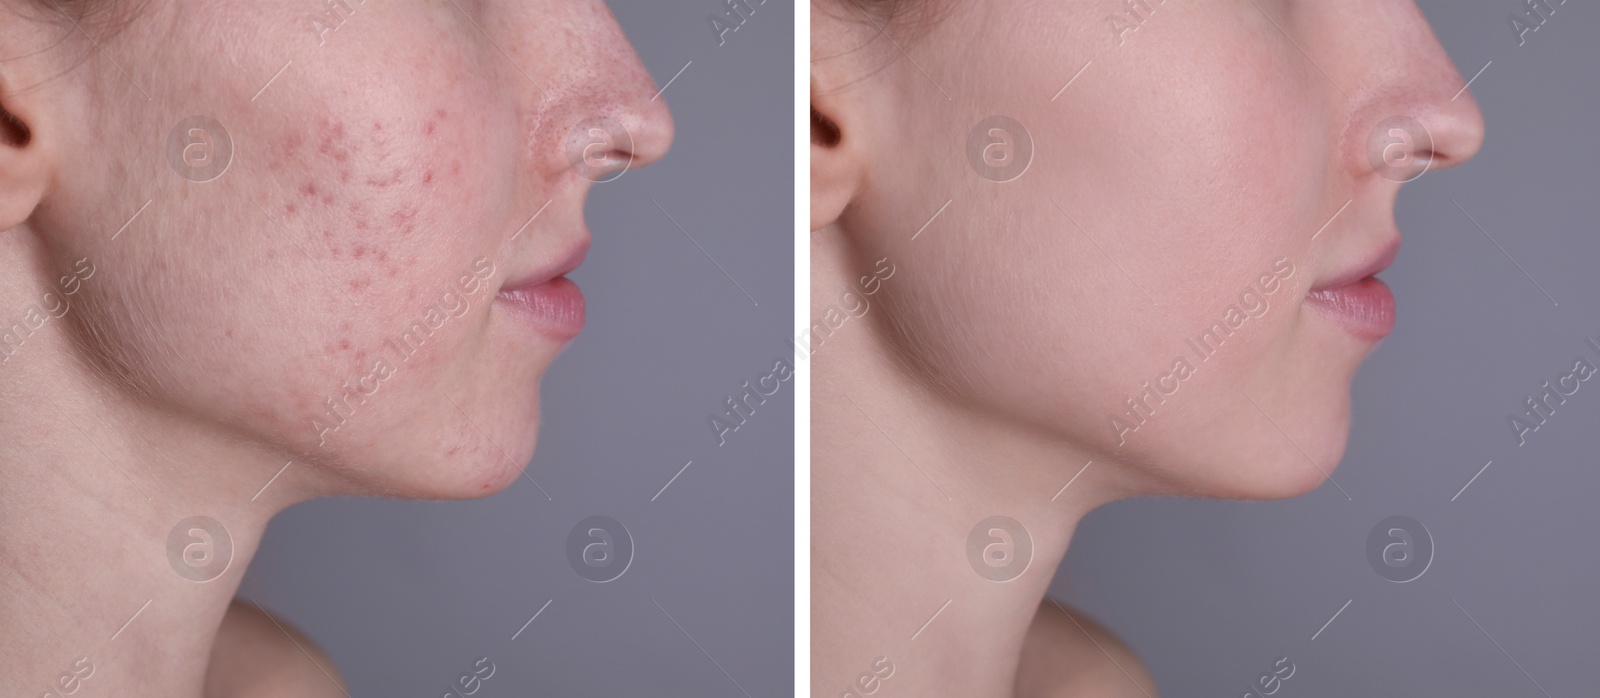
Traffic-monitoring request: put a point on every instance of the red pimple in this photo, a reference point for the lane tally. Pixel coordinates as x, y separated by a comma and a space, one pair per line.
427, 177
309, 190
332, 144
344, 344
428, 128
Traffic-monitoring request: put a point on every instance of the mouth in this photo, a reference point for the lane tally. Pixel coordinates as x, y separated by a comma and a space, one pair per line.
546, 299
1357, 299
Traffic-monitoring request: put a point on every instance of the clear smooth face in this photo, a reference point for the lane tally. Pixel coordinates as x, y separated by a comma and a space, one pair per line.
359, 286
1140, 283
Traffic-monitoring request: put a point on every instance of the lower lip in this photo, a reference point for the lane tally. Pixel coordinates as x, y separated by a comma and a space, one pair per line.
554, 307
1365, 308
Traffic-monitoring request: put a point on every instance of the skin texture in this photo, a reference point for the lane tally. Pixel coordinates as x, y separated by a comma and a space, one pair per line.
382, 183
1199, 148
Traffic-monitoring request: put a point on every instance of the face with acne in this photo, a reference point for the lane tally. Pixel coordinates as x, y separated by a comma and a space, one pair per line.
315, 260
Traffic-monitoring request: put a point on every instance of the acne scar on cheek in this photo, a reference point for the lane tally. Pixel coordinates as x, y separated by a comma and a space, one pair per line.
333, 143
439, 117
406, 219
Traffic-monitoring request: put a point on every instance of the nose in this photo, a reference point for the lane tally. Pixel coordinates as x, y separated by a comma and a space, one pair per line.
594, 109
1414, 103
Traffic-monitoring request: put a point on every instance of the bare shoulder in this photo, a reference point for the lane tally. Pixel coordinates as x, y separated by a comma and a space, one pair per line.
258, 655
1071, 656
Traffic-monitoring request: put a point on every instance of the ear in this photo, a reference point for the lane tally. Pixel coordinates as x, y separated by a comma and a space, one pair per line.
837, 155
25, 169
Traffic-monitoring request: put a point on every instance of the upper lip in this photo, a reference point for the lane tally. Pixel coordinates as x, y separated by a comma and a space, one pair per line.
563, 266
1376, 262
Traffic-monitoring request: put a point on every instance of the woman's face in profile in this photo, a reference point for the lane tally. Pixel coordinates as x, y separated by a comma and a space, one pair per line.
345, 260
1129, 252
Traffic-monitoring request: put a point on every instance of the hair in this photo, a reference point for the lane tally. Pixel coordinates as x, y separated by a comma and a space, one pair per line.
100, 19
914, 16
69, 23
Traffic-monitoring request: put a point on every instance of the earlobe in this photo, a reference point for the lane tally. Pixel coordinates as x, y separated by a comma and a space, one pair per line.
24, 168
835, 161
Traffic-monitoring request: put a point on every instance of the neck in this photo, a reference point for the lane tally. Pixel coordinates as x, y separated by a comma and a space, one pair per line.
95, 485
902, 475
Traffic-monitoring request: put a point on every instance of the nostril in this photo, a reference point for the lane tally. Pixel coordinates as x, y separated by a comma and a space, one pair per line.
13, 132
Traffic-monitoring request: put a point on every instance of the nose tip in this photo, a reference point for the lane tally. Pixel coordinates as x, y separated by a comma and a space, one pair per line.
610, 137
1405, 129
1457, 128
650, 124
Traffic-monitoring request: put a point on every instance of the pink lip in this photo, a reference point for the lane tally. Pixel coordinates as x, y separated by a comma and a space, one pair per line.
1365, 307
547, 299
1358, 300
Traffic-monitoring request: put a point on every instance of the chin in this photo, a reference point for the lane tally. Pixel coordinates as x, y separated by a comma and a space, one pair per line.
1236, 454
1286, 473
454, 463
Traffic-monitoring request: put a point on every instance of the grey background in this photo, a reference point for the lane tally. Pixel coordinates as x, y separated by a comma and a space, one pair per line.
405, 596
1210, 593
